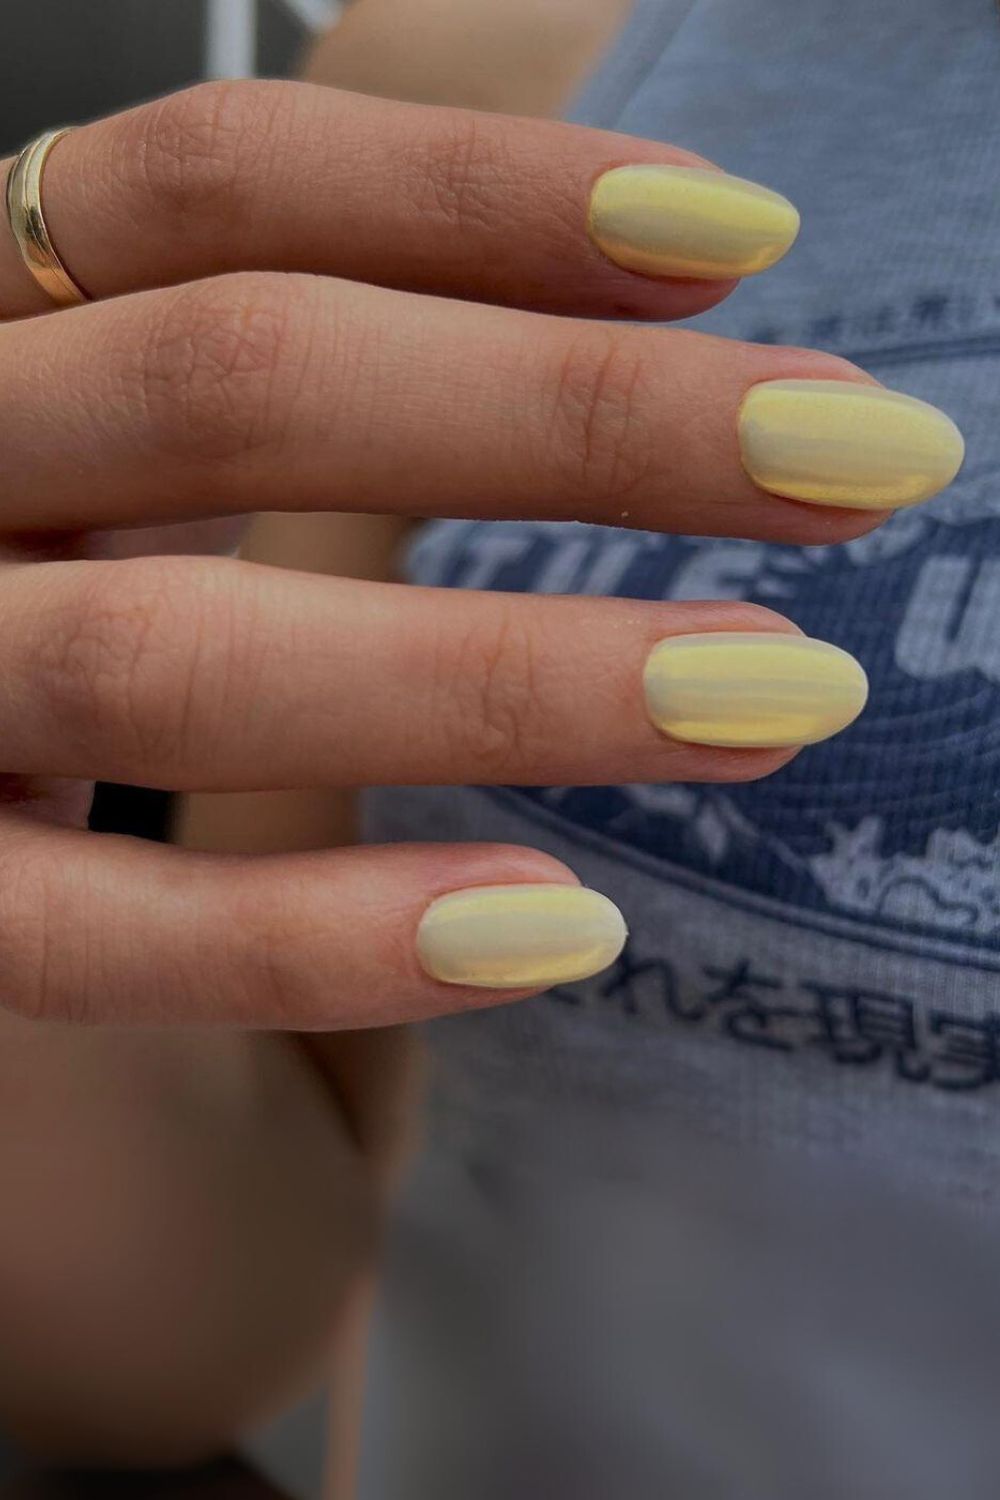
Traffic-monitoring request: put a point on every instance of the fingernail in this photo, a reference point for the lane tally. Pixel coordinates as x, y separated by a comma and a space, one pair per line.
752, 690
688, 221
836, 443
518, 936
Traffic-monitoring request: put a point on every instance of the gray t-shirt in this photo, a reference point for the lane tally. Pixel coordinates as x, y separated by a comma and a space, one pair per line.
718, 1223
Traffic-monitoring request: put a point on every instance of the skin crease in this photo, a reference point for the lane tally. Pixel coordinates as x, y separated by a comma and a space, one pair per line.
380, 1072
373, 396
342, 1103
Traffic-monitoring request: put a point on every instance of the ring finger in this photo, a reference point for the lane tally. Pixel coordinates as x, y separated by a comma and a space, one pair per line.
185, 673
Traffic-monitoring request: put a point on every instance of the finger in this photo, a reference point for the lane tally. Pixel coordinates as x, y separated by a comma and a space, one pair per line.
284, 176
108, 930
257, 392
214, 675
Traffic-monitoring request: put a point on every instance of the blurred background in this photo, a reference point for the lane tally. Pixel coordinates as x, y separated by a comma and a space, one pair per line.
135, 49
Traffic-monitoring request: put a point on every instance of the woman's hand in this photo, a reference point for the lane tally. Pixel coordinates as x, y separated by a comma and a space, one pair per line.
274, 261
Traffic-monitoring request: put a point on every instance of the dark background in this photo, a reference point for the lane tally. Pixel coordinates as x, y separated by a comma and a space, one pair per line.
64, 61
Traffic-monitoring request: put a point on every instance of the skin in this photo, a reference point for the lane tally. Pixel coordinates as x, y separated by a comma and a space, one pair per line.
224, 378
253, 390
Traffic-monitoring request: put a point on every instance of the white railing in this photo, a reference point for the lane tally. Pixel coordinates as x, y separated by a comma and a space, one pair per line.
231, 32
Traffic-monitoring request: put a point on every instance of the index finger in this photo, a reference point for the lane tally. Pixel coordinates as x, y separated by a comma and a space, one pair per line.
293, 177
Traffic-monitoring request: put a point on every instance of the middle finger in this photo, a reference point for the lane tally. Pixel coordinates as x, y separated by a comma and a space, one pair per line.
283, 392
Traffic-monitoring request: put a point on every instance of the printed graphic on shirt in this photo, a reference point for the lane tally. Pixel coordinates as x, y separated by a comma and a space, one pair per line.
894, 826
852, 1025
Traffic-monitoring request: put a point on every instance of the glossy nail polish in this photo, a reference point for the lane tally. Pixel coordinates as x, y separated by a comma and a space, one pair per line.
519, 936
689, 222
757, 689
835, 442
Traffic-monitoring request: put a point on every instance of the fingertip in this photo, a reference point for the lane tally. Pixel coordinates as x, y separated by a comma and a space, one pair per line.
846, 445
665, 219
516, 936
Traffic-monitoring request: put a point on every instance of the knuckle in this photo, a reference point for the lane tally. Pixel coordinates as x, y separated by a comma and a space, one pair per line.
599, 430
197, 148
491, 679
118, 663
217, 364
455, 173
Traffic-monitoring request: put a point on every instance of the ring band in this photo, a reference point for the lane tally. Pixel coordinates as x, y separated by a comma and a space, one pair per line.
27, 220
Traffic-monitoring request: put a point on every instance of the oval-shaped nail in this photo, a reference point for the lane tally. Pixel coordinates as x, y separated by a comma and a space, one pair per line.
690, 222
519, 936
755, 689
832, 442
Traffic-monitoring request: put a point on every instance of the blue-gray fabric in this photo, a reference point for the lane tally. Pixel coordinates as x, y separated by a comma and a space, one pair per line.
719, 1223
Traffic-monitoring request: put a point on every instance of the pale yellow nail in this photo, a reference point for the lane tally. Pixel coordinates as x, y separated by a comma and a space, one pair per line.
689, 221
755, 689
833, 442
511, 937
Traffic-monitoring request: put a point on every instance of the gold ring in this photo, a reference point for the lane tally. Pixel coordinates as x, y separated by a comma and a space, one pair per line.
27, 220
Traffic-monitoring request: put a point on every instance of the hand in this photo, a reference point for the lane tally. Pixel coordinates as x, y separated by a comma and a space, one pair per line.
221, 375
